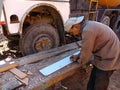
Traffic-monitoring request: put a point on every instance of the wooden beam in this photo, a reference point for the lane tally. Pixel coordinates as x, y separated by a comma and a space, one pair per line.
39, 81
54, 78
47, 54
39, 56
44, 82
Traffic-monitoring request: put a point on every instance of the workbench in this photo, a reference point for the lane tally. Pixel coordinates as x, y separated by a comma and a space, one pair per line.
38, 81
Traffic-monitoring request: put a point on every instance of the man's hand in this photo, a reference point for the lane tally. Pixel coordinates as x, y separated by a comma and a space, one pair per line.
75, 57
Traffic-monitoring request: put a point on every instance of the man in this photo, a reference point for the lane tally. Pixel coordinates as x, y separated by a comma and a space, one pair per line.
97, 39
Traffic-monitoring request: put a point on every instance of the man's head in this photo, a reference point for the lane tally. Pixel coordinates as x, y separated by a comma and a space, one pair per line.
73, 25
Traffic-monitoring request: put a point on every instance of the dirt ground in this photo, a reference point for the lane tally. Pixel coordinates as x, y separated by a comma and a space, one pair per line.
78, 81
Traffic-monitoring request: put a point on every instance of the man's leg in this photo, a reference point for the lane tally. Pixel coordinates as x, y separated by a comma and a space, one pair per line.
102, 79
91, 82
99, 79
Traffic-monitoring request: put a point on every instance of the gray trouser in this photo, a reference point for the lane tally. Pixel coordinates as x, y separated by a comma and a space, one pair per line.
99, 79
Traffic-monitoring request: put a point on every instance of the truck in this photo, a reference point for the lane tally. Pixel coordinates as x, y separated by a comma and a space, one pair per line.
38, 25
105, 11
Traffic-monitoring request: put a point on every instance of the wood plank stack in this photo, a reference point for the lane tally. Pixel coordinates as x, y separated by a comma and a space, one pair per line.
35, 62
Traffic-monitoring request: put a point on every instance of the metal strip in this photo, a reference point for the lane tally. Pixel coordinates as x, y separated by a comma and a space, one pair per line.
56, 66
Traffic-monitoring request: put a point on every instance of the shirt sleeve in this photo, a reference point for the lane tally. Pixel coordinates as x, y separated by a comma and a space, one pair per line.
88, 39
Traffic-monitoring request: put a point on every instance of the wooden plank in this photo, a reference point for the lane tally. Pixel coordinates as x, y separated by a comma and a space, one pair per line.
12, 85
40, 56
37, 80
7, 65
57, 76
47, 54
44, 82
18, 73
54, 78
24, 81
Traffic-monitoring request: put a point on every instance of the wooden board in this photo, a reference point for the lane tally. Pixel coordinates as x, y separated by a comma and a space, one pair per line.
39, 81
7, 65
18, 73
11, 85
24, 81
47, 54
39, 56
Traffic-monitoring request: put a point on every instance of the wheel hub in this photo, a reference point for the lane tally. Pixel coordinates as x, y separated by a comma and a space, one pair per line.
39, 37
43, 43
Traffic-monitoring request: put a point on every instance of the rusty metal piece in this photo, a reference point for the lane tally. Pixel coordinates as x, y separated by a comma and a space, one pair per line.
43, 42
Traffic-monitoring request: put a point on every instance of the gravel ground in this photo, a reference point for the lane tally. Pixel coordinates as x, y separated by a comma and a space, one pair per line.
79, 80
115, 81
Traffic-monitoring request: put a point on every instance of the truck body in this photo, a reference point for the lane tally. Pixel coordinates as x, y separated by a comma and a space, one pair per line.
39, 24
23, 16
105, 11
22, 8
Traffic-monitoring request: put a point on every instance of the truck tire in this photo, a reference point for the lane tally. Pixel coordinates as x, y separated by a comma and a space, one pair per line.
106, 20
39, 37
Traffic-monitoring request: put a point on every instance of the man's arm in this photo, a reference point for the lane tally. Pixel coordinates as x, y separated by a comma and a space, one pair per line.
88, 41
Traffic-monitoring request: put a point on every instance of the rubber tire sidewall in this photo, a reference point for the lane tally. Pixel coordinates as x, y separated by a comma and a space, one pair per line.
34, 30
